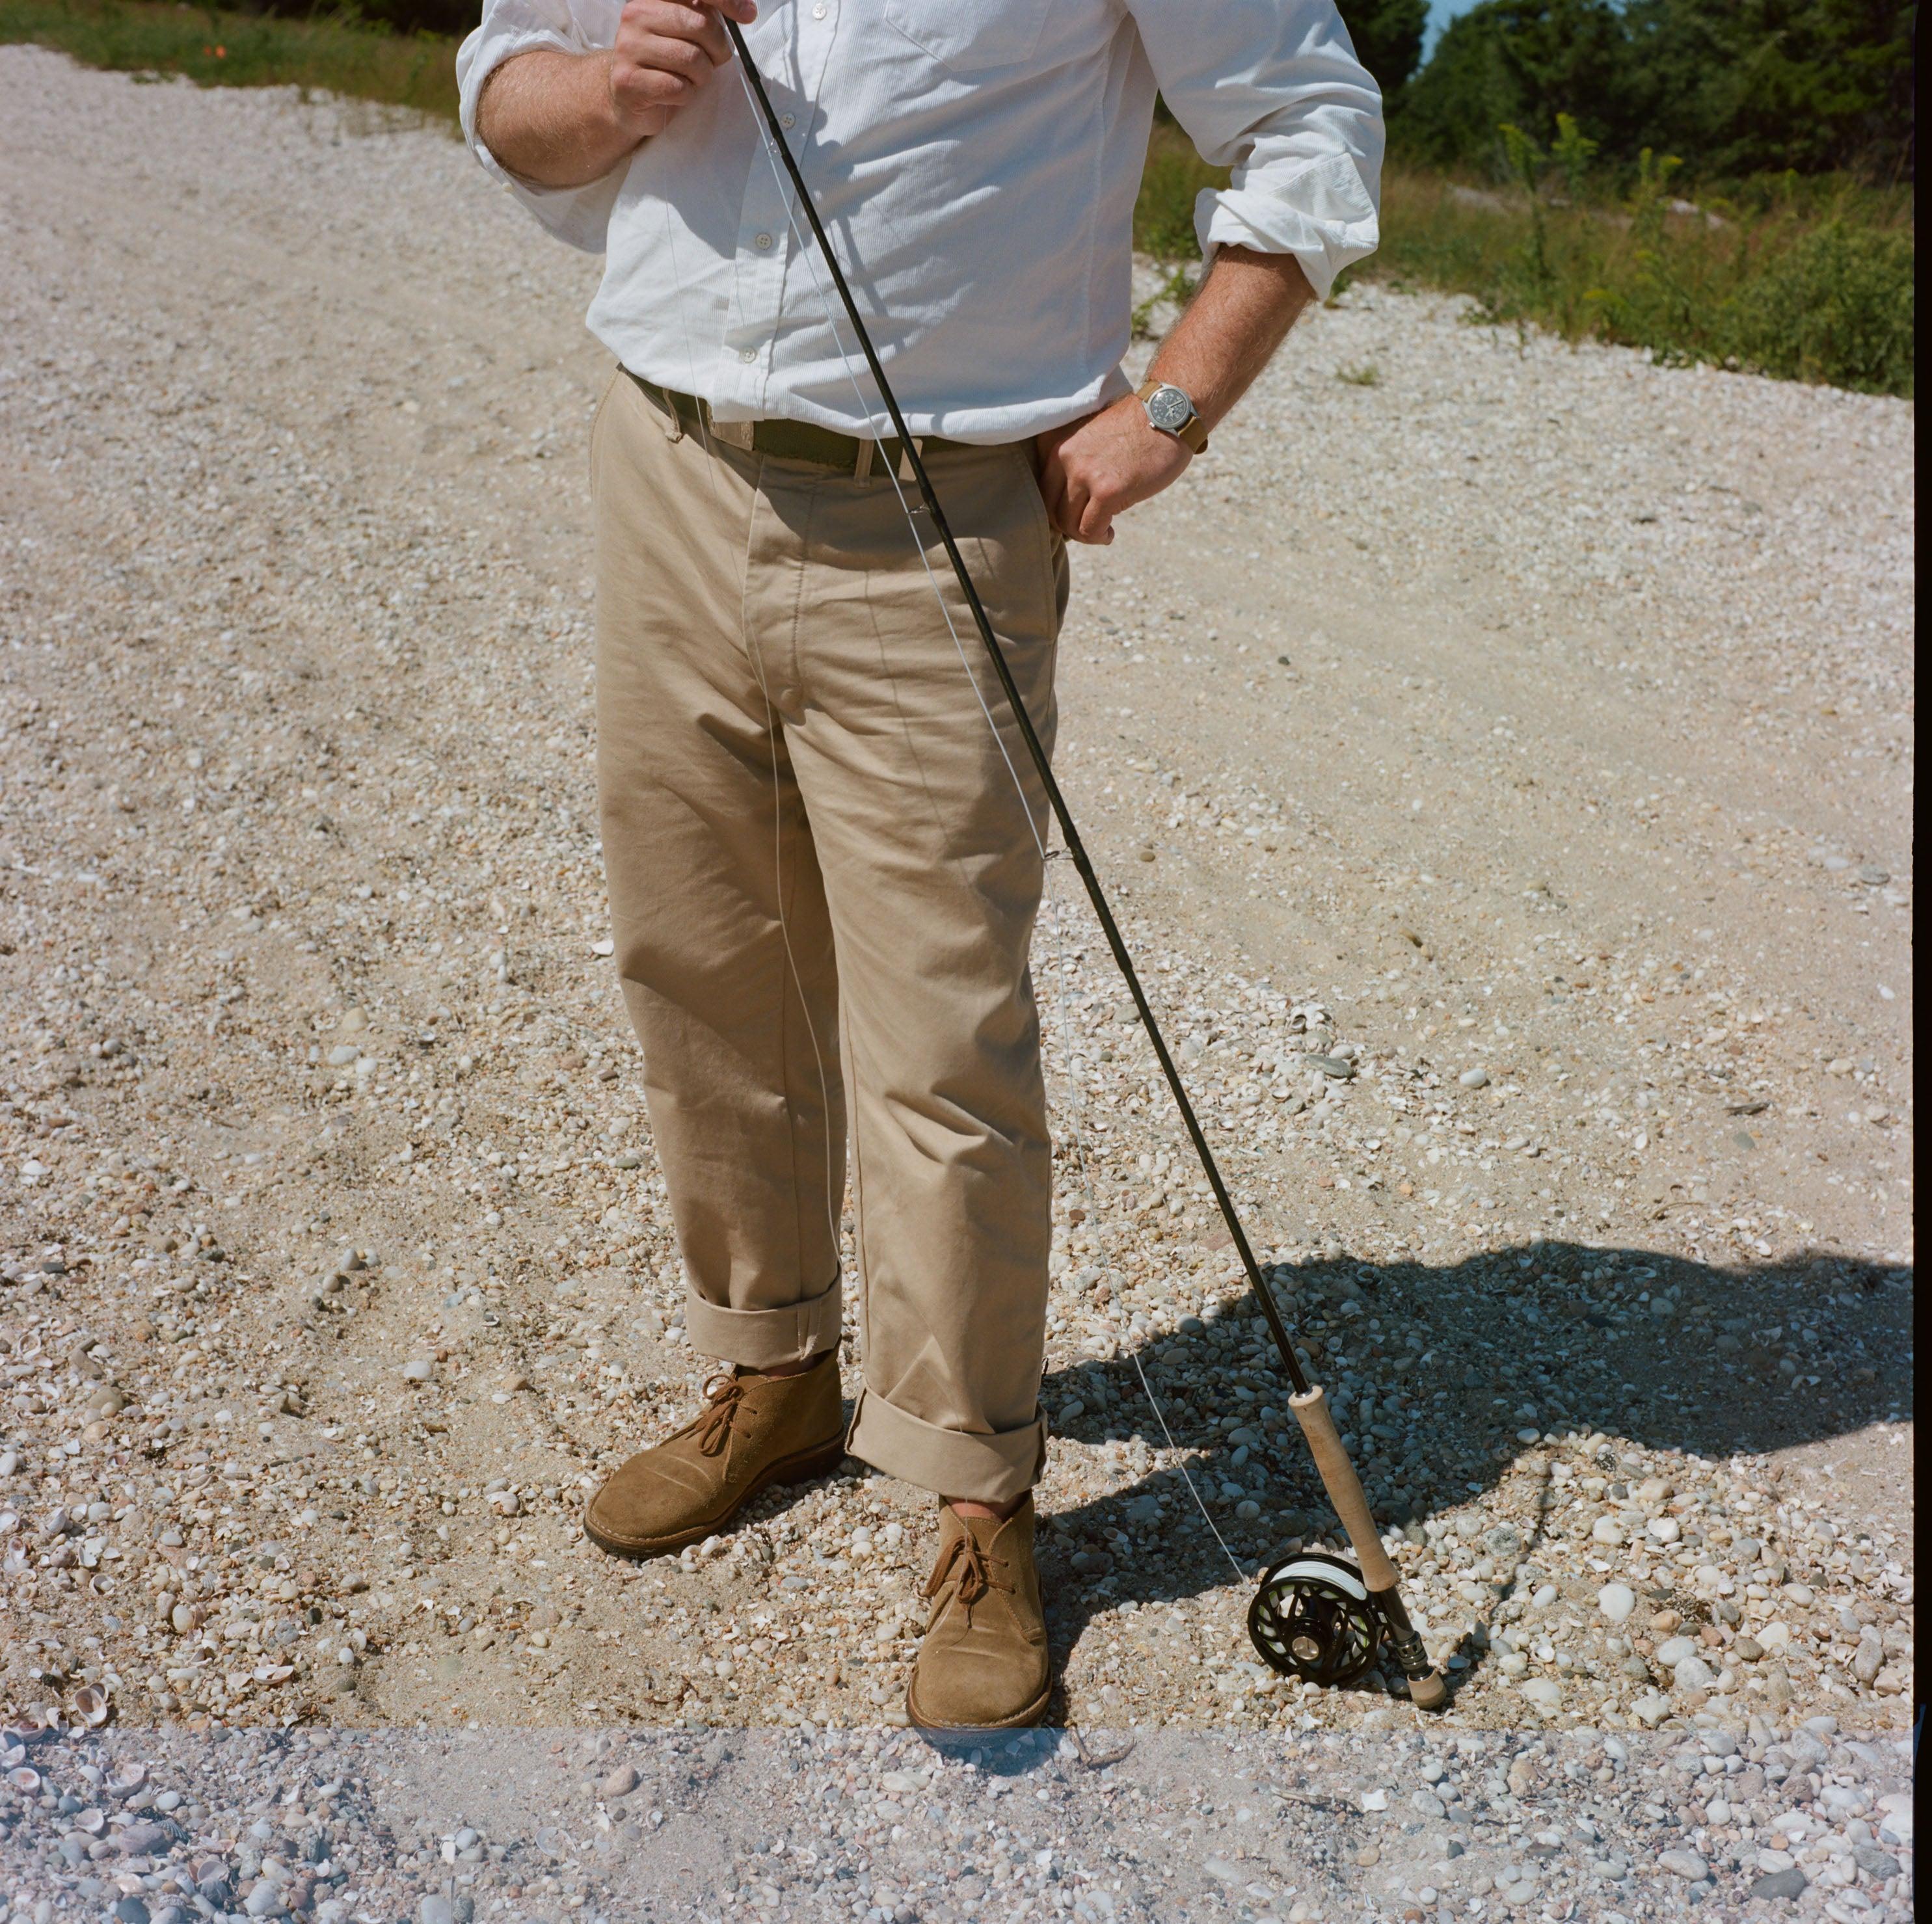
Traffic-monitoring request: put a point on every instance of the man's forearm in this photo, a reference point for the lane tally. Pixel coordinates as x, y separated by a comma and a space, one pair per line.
1231, 328
550, 118
1096, 468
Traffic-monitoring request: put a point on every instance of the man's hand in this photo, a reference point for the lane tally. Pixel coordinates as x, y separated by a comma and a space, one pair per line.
1100, 466
665, 51
1093, 469
566, 119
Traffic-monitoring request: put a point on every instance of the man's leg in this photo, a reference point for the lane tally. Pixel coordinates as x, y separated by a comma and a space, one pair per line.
920, 809
724, 950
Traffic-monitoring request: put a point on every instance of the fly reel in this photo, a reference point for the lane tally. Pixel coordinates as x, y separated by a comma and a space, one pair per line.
1312, 1618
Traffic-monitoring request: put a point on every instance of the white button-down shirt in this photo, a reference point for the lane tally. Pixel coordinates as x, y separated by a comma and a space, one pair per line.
976, 163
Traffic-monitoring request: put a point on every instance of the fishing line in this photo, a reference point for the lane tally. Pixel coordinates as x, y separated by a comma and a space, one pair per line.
1124, 1333
778, 896
1061, 971
756, 659
1315, 1617
1075, 849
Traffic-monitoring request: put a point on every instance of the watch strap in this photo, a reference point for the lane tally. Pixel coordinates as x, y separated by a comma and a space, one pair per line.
1193, 433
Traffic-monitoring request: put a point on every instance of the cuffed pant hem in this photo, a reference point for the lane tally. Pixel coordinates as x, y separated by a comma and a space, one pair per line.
763, 1338
950, 1463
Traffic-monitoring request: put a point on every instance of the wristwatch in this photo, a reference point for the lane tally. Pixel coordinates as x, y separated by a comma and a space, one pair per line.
1169, 409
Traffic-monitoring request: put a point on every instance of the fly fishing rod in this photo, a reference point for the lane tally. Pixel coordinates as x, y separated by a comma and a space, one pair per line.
1314, 1616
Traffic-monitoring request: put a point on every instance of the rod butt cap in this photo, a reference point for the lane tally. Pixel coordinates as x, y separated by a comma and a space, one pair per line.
1428, 1692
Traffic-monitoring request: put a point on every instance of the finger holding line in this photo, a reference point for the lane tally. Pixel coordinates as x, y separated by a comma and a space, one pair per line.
665, 51
666, 28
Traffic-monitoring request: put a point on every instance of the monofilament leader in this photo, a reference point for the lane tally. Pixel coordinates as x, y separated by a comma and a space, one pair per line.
822, 834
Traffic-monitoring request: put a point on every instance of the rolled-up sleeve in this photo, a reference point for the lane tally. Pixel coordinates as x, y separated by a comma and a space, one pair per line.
580, 215
1272, 89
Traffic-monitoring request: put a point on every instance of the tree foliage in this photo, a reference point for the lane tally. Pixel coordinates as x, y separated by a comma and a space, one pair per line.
1734, 86
1388, 36
453, 17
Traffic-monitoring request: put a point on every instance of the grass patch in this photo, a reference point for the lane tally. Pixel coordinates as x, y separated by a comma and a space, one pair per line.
1173, 176
214, 48
1814, 284
1808, 279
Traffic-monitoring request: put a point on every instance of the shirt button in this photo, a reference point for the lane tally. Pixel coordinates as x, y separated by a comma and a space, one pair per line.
749, 354
764, 240
784, 120
819, 12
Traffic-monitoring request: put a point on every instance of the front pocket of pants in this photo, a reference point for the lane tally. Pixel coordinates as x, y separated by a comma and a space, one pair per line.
1052, 545
597, 419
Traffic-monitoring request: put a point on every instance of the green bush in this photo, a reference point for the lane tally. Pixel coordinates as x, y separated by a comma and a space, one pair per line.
1837, 306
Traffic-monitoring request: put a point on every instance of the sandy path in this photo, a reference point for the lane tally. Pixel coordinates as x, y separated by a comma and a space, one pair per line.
1579, 821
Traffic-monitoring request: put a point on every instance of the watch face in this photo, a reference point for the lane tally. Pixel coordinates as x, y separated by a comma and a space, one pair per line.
1169, 409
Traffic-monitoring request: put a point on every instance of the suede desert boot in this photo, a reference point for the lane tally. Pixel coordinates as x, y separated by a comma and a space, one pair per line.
754, 1430
983, 1665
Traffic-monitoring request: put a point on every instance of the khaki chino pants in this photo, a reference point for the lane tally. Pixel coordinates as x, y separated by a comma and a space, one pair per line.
823, 881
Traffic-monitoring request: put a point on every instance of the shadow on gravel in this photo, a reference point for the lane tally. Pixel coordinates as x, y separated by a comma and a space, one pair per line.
1000, 1753
1450, 1365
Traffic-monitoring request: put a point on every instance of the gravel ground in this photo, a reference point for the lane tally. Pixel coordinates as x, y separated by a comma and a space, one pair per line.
1513, 816
878, 1825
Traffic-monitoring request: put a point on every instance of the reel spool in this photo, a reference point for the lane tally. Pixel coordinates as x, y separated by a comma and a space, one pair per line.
1311, 1618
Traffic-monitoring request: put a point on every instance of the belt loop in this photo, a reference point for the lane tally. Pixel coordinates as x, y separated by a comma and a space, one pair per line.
674, 420
861, 467
916, 447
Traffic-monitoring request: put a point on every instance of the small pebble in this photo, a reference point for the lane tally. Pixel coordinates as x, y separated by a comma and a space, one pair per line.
1692, 1673
1616, 1601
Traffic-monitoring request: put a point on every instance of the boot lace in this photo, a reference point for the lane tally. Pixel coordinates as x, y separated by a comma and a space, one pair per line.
724, 1394
974, 1568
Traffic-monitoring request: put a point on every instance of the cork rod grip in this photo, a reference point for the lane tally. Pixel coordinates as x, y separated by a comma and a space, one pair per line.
1344, 1487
